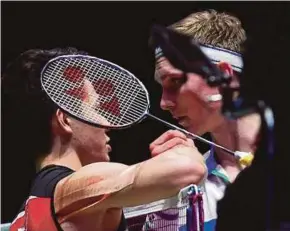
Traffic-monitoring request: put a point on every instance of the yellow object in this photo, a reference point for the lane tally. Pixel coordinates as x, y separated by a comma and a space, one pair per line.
245, 158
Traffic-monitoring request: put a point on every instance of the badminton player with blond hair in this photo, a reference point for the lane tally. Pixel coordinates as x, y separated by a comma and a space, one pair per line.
197, 106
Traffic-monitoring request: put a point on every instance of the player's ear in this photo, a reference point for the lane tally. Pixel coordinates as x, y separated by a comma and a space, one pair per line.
227, 68
61, 123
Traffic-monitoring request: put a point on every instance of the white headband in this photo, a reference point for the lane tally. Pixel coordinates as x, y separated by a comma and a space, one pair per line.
216, 55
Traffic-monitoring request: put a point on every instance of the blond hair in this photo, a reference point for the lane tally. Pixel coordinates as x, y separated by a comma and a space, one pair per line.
213, 28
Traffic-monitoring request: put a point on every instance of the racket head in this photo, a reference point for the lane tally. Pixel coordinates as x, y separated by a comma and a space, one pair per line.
95, 91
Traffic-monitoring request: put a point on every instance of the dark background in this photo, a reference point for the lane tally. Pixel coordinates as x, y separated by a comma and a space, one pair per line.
116, 31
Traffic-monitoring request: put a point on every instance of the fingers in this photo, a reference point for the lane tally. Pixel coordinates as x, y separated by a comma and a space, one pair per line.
169, 145
169, 140
167, 136
190, 142
191, 151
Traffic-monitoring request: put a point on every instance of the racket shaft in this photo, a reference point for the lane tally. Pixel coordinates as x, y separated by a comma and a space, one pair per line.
191, 135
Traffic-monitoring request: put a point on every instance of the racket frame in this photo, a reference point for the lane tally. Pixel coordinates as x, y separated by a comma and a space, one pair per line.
63, 108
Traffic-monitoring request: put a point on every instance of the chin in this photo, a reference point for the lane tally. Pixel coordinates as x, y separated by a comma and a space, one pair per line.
101, 157
195, 130
107, 158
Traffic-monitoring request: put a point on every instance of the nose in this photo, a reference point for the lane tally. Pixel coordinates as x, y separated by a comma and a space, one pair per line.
167, 101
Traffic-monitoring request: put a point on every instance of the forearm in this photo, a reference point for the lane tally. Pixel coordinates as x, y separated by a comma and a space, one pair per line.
111, 185
160, 177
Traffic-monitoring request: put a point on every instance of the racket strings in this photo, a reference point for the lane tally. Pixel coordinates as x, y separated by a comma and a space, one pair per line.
57, 87
122, 97
127, 93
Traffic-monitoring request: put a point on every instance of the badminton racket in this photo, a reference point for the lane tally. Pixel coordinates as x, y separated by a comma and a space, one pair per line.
101, 93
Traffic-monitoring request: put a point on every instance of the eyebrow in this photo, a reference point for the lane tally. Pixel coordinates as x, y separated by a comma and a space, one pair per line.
159, 78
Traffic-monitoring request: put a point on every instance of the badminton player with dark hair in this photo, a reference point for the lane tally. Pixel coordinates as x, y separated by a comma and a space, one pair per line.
76, 187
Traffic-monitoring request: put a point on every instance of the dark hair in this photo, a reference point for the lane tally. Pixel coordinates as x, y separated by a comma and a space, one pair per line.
28, 106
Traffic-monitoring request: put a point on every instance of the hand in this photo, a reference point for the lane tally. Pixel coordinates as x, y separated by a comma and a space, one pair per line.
169, 140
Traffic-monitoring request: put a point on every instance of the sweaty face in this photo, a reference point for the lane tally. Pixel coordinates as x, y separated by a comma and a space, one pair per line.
91, 142
185, 96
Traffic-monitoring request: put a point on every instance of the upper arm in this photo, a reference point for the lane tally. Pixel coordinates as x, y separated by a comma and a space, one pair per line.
90, 185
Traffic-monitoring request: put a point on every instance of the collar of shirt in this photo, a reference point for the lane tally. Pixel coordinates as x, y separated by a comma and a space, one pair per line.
214, 168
